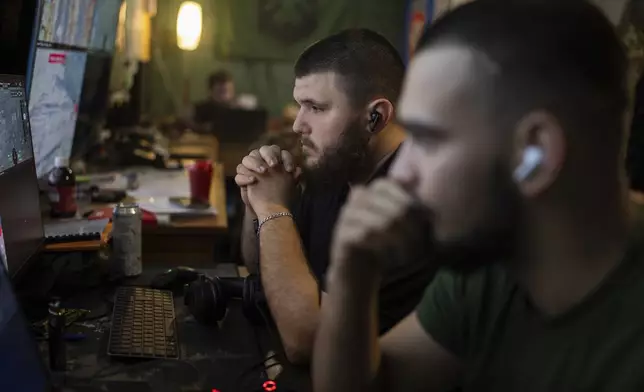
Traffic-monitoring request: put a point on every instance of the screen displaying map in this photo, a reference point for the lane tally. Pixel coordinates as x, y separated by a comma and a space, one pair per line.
14, 126
53, 104
67, 22
106, 17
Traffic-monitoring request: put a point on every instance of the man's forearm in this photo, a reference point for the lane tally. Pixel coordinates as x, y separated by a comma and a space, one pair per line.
347, 355
291, 290
249, 242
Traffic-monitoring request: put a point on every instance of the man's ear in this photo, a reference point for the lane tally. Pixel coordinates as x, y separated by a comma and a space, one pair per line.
538, 133
379, 113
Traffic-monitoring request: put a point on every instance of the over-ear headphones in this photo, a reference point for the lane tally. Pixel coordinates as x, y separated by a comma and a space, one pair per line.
207, 298
532, 158
374, 118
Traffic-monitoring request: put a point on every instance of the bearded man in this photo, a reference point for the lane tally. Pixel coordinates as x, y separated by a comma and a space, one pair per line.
346, 86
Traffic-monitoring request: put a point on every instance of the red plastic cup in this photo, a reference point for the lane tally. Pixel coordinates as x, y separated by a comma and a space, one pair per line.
200, 174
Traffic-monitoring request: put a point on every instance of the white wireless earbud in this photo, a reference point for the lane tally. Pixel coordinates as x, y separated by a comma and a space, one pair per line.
532, 158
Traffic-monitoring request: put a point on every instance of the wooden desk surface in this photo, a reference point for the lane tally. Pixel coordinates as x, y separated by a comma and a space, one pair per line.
205, 224
193, 241
193, 144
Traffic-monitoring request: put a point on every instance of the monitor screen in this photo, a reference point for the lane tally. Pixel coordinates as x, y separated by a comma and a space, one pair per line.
93, 106
21, 366
106, 18
56, 84
22, 228
17, 31
67, 22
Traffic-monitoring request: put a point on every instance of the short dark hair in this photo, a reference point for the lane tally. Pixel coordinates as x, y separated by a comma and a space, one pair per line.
219, 77
563, 56
368, 64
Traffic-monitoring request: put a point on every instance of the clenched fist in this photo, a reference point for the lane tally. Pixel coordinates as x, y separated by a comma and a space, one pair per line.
380, 224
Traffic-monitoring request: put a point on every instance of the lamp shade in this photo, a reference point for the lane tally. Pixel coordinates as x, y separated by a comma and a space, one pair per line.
189, 22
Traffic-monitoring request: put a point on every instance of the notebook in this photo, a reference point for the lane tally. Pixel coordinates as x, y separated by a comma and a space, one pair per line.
75, 230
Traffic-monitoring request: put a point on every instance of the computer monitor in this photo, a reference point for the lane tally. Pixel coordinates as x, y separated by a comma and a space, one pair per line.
67, 22
22, 227
18, 27
21, 366
94, 101
56, 84
106, 18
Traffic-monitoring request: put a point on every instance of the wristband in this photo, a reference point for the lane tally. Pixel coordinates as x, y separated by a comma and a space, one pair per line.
271, 217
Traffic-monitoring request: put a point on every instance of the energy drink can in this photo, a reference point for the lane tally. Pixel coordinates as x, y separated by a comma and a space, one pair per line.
126, 236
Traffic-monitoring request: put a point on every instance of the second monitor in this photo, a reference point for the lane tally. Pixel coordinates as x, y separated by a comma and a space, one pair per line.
69, 35
56, 86
20, 216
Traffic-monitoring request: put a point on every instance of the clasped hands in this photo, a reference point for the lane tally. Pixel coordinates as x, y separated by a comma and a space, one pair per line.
381, 223
267, 177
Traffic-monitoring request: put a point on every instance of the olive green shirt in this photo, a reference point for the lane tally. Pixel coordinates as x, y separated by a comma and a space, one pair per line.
506, 344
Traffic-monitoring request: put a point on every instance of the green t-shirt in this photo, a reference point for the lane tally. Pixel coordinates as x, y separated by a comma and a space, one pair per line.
487, 321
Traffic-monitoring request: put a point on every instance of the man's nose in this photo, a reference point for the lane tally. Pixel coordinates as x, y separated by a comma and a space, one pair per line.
403, 170
299, 125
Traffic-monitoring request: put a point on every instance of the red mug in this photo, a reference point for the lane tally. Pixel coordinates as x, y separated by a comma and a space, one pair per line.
200, 174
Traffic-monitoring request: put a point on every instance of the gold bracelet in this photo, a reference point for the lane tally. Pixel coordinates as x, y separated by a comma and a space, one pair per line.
271, 217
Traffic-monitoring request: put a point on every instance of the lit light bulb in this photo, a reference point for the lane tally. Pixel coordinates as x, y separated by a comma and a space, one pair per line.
189, 21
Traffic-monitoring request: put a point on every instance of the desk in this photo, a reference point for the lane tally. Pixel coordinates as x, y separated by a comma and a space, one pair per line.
192, 241
196, 144
210, 357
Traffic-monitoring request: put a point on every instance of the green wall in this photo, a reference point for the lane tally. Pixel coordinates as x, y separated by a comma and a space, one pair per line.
270, 80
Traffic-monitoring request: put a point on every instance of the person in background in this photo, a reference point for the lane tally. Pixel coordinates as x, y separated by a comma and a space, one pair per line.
516, 125
221, 95
346, 86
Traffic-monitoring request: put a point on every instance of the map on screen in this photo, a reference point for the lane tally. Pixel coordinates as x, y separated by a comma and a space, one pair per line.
67, 22
106, 17
53, 104
14, 127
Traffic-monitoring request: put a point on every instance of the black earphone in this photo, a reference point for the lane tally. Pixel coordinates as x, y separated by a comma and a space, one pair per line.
207, 298
374, 118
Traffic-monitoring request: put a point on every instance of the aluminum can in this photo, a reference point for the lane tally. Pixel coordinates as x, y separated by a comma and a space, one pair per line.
126, 240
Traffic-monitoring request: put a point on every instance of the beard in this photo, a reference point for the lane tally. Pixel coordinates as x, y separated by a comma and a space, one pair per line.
493, 241
343, 162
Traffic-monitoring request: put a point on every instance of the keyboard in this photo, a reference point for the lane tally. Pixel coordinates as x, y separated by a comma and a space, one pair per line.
143, 324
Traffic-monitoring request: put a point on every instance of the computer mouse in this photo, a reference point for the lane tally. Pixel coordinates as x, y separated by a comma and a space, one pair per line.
175, 279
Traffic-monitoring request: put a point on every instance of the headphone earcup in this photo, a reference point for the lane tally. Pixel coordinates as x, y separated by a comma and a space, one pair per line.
205, 301
250, 300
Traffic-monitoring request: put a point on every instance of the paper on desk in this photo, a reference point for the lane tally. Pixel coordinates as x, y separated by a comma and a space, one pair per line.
161, 183
163, 206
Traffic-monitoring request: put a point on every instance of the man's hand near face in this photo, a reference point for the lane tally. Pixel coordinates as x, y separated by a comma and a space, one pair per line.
379, 223
267, 178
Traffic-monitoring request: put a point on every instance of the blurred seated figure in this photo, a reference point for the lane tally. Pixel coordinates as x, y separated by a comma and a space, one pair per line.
221, 95
230, 117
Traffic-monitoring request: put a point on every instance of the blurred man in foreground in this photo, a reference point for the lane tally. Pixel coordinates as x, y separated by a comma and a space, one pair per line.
515, 112
345, 85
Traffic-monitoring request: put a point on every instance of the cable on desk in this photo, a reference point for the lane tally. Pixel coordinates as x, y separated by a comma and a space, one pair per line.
262, 363
239, 385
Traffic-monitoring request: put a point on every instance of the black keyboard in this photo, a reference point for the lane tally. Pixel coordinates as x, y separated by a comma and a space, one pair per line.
143, 324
